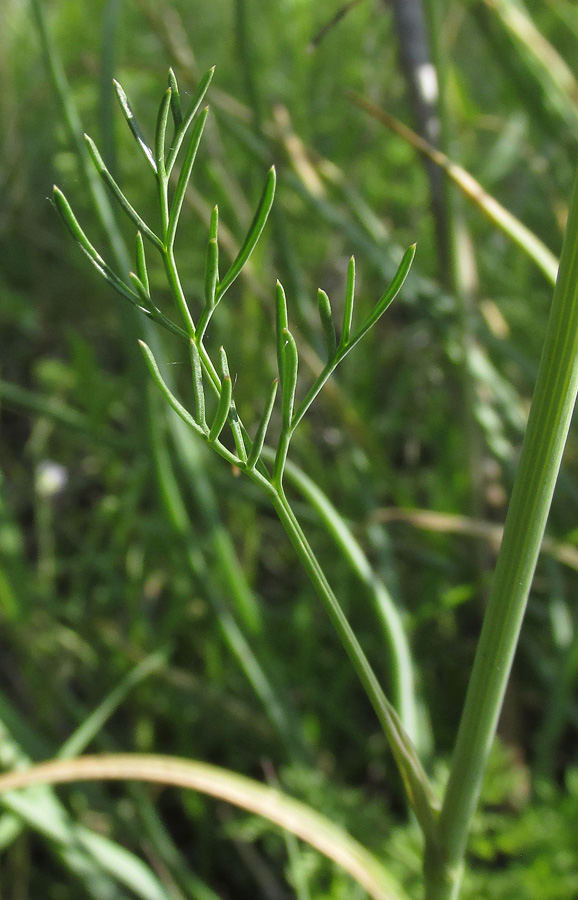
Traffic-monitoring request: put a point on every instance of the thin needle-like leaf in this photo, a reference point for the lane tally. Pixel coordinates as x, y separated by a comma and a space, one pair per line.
185, 175
198, 388
141, 262
259, 440
281, 323
170, 397
73, 226
152, 310
188, 118
288, 373
176, 110
384, 302
161, 132
327, 322
288, 376
211, 272
234, 420
223, 408
253, 234
349, 300
118, 194
133, 125
347, 342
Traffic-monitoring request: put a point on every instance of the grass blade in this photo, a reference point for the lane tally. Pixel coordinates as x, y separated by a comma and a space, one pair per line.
292, 815
525, 239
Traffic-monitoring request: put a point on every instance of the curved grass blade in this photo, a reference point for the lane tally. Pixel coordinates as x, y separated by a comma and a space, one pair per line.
324, 306
73, 226
270, 803
501, 217
188, 118
253, 234
259, 440
349, 300
133, 125
118, 195
185, 175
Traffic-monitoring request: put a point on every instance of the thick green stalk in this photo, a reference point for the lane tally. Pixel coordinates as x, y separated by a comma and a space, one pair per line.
548, 424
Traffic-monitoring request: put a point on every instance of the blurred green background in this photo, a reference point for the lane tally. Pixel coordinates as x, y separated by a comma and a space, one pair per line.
136, 569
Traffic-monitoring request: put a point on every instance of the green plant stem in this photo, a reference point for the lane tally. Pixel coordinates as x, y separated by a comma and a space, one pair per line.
400, 661
543, 446
418, 789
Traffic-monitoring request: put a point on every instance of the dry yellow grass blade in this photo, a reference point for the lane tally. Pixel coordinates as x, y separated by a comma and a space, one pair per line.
495, 212
290, 814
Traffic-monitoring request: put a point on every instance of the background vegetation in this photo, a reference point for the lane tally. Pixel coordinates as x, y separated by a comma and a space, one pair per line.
135, 621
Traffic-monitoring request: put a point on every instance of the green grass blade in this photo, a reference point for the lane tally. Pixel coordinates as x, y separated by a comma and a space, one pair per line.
93, 724
548, 424
253, 234
502, 218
